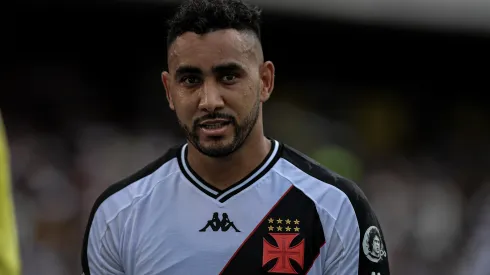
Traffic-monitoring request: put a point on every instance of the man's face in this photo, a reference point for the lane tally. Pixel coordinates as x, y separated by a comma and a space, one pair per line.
376, 245
216, 83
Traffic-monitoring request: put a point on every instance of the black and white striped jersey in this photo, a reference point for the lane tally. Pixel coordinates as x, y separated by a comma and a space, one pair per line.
289, 216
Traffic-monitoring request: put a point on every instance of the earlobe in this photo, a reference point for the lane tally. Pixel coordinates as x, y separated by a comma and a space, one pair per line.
166, 85
268, 78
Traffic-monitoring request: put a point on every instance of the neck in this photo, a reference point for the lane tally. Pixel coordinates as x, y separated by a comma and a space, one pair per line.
223, 172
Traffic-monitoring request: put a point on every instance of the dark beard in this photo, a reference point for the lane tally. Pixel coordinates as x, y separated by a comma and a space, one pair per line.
242, 131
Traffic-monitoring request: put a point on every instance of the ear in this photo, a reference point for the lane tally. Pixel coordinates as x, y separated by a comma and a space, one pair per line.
166, 84
267, 77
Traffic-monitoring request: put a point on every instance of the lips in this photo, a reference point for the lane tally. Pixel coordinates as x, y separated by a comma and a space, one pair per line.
214, 128
214, 123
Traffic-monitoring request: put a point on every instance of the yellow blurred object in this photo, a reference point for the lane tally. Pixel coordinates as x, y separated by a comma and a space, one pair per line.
9, 250
383, 124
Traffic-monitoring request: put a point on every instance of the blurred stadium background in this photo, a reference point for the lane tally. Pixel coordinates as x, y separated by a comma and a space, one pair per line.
388, 93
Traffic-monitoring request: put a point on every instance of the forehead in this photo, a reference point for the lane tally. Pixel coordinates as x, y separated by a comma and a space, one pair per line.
212, 48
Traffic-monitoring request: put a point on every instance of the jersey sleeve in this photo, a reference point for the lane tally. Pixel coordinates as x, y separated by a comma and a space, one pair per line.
361, 248
100, 254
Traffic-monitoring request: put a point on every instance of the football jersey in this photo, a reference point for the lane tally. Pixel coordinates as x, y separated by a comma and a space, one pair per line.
288, 216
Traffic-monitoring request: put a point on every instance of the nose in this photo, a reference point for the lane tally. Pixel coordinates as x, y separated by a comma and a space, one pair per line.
210, 98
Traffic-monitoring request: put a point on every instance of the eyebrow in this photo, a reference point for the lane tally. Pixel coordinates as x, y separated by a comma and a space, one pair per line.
185, 69
218, 69
227, 67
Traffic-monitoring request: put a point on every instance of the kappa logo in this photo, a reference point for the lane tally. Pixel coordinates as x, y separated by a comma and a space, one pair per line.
372, 245
284, 252
216, 224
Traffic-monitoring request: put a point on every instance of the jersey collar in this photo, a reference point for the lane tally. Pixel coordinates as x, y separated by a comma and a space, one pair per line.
223, 195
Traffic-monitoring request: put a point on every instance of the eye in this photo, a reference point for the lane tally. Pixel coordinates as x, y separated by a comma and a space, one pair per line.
190, 80
229, 78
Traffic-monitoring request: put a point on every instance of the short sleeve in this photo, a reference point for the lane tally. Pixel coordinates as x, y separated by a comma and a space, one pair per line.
100, 250
362, 248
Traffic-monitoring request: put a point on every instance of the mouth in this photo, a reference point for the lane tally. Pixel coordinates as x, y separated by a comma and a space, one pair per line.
214, 124
215, 127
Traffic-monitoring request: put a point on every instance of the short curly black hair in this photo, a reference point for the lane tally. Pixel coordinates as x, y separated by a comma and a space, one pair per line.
204, 16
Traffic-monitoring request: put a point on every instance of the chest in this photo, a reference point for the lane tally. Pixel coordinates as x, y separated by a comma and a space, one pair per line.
255, 233
183, 236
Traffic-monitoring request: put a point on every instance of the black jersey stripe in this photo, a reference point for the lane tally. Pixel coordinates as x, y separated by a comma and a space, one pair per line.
253, 231
295, 217
114, 188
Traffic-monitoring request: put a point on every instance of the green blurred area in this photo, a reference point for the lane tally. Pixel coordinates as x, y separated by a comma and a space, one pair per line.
339, 160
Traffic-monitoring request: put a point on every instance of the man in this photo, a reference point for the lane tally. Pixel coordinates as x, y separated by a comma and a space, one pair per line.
372, 246
288, 214
9, 250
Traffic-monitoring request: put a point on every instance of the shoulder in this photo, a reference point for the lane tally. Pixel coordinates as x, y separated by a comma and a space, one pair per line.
337, 196
317, 181
121, 194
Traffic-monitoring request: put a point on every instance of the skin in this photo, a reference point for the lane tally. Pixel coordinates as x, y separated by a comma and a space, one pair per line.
221, 74
376, 245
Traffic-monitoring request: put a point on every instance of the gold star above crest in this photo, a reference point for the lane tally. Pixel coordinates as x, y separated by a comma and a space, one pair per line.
283, 225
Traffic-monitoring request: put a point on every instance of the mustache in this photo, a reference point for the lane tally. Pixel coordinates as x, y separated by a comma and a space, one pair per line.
199, 120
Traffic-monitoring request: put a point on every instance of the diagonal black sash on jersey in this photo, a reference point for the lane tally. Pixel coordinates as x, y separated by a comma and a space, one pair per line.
286, 241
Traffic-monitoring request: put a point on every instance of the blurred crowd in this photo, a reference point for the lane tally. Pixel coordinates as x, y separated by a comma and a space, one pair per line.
435, 218
84, 107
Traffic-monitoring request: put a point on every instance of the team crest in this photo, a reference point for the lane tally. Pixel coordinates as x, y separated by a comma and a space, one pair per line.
372, 245
285, 233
